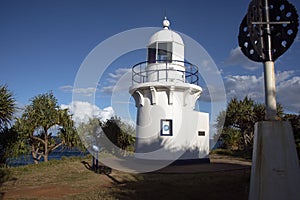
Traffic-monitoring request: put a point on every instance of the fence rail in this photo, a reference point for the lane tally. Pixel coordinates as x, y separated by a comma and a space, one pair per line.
140, 73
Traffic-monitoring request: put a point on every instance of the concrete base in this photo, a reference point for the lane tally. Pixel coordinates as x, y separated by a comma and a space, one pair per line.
275, 170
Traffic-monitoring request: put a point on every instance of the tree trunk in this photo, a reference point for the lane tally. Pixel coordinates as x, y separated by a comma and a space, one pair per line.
46, 157
46, 153
34, 155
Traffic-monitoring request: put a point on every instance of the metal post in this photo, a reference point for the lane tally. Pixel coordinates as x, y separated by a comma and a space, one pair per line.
166, 71
93, 162
97, 164
269, 72
140, 73
268, 31
270, 91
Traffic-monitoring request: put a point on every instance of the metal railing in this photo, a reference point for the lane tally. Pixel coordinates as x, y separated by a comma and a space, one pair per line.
140, 72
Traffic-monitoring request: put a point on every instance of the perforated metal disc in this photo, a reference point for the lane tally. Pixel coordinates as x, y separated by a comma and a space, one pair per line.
245, 42
253, 37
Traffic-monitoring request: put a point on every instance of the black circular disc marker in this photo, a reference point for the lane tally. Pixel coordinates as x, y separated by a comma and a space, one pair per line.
261, 31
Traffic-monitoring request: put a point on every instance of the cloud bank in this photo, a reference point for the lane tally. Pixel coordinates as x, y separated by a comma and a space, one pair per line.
287, 88
89, 91
83, 111
237, 58
119, 80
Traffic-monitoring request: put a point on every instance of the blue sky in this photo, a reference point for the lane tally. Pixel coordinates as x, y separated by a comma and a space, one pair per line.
44, 42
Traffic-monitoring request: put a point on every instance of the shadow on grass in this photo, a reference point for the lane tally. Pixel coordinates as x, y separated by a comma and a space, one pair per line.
237, 154
87, 165
100, 169
225, 184
5, 176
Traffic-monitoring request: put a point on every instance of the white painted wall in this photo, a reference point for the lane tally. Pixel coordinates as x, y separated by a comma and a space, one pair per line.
186, 122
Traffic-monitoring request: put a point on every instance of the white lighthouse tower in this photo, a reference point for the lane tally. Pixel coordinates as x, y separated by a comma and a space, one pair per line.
165, 89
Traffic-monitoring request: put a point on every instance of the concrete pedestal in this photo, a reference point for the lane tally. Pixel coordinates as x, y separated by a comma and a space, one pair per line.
275, 166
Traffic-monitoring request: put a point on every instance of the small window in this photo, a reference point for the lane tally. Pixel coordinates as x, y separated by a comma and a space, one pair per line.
166, 127
201, 133
164, 52
152, 53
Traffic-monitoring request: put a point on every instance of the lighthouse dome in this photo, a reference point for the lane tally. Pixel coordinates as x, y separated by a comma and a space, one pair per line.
166, 35
165, 45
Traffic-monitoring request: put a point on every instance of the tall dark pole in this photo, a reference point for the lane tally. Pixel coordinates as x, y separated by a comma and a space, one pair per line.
268, 31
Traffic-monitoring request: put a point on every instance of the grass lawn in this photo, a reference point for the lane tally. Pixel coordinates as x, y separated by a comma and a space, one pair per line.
70, 179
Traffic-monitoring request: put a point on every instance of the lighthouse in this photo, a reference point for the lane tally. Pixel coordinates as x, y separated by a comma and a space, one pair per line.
165, 89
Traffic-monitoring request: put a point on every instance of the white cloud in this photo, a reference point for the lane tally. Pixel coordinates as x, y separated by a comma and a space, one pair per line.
108, 89
83, 111
288, 93
20, 109
120, 80
288, 88
236, 86
241, 86
212, 91
237, 58
282, 76
88, 91
66, 88
118, 73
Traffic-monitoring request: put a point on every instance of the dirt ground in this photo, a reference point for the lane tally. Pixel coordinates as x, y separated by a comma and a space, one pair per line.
80, 183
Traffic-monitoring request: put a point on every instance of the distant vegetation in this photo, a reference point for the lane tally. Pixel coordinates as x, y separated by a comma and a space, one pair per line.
119, 133
40, 122
239, 118
44, 127
7, 110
